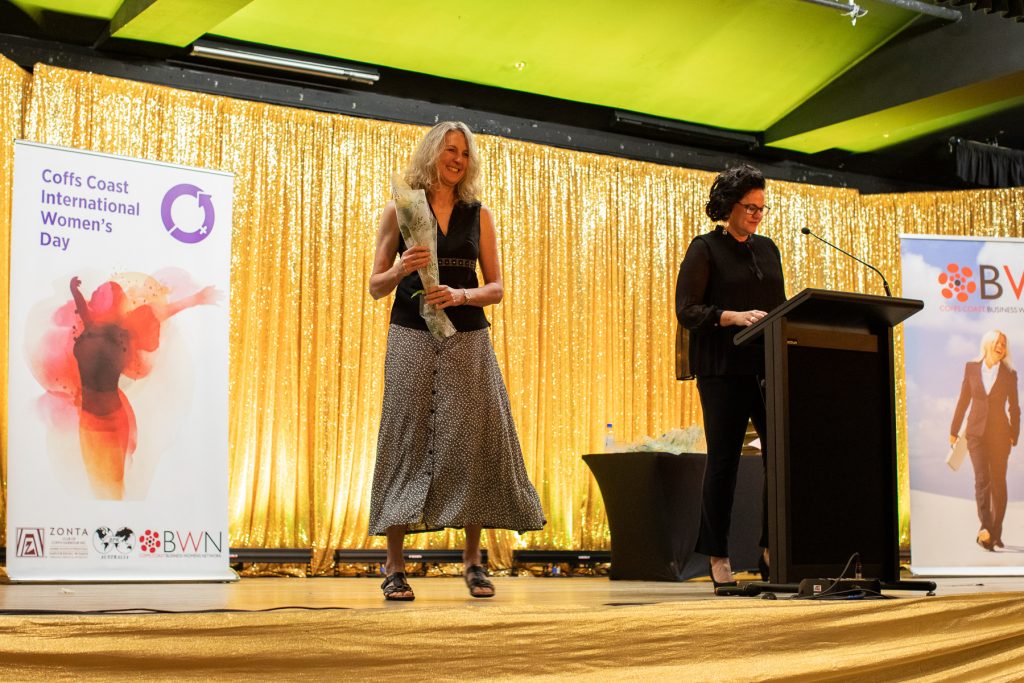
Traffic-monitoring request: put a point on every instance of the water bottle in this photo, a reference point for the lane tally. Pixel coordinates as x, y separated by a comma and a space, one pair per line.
609, 439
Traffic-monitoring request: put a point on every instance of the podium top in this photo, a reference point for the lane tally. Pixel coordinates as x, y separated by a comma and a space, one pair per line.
846, 310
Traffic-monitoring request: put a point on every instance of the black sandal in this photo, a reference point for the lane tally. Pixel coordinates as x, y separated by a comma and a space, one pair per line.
476, 578
396, 583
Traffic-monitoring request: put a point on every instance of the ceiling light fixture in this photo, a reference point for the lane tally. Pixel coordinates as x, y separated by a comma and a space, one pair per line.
683, 132
265, 58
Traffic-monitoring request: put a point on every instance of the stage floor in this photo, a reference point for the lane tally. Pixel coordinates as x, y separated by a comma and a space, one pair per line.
535, 629
254, 594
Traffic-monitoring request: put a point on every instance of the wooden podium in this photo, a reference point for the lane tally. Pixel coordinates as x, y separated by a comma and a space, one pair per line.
831, 408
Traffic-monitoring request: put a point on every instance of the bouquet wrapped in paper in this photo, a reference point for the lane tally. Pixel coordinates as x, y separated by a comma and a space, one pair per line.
419, 229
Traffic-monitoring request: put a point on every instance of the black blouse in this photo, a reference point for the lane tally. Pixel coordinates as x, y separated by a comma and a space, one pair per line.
457, 255
719, 274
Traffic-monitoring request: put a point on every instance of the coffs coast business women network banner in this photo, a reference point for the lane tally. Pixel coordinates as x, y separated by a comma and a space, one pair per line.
962, 350
117, 438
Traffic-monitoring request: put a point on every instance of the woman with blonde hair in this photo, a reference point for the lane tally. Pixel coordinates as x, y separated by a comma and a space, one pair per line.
989, 387
448, 455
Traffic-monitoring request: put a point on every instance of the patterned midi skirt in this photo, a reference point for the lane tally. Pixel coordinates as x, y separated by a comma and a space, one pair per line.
447, 453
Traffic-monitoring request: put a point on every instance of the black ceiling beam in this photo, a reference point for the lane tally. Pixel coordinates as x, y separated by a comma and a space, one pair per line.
928, 58
44, 23
16, 20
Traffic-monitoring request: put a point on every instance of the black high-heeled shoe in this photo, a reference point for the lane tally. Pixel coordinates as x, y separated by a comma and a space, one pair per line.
762, 567
718, 584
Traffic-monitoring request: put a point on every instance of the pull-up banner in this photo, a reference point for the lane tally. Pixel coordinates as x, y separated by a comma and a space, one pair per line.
118, 386
963, 404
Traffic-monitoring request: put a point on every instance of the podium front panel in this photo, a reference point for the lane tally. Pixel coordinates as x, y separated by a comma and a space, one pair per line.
832, 488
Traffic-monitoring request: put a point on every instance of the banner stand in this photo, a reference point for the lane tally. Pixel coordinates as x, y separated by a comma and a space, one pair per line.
118, 369
962, 383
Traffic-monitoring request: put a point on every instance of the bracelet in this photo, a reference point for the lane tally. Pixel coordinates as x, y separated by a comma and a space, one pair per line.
465, 297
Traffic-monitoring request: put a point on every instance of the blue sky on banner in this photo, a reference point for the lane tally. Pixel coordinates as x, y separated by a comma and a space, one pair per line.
988, 276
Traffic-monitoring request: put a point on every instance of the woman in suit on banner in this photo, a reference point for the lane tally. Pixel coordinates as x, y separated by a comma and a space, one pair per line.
729, 279
989, 387
448, 455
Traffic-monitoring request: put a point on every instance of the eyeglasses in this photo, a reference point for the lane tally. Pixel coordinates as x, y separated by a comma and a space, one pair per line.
753, 209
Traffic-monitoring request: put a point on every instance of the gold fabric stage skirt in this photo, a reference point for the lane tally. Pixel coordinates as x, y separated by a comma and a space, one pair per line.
546, 629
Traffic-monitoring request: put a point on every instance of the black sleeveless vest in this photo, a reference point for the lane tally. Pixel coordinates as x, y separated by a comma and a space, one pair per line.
457, 255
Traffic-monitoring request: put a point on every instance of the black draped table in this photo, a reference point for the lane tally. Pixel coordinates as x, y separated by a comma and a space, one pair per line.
653, 505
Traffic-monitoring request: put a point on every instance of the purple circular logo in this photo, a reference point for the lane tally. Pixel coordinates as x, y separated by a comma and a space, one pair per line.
182, 202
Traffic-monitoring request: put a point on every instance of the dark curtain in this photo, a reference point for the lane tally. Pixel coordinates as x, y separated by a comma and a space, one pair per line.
988, 165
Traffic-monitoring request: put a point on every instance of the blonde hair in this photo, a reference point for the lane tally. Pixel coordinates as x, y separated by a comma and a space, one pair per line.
989, 340
422, 171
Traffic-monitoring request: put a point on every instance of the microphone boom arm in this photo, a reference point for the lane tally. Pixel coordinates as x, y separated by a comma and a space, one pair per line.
885, 283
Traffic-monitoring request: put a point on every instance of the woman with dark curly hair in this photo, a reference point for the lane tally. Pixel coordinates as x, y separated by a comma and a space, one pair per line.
729, 278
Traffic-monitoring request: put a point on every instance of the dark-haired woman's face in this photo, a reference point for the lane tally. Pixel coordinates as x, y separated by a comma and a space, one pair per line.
746, 215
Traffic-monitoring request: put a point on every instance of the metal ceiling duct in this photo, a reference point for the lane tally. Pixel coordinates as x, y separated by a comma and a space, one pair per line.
854, 10
926, 8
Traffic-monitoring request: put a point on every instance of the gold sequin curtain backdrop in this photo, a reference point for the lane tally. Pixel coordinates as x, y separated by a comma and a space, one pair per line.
14, 89
590, 247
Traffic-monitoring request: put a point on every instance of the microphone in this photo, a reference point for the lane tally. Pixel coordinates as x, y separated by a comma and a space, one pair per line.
885, 283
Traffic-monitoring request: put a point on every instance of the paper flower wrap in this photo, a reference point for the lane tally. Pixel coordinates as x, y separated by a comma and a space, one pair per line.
688, 440
419, 229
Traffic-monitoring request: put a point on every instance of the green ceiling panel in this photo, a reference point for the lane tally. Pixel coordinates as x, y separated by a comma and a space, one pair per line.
907, 121
734, 64
740, 64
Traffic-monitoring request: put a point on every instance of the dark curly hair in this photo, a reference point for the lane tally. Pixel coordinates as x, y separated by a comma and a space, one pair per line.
729, 187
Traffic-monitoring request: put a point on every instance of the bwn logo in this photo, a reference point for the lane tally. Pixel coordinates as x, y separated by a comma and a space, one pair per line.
957, 282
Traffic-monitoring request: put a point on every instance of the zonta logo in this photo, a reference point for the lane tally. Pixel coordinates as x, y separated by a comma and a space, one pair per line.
993, 281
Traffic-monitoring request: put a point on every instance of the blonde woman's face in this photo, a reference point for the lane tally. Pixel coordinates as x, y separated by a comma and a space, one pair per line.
999, 347
454, 159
